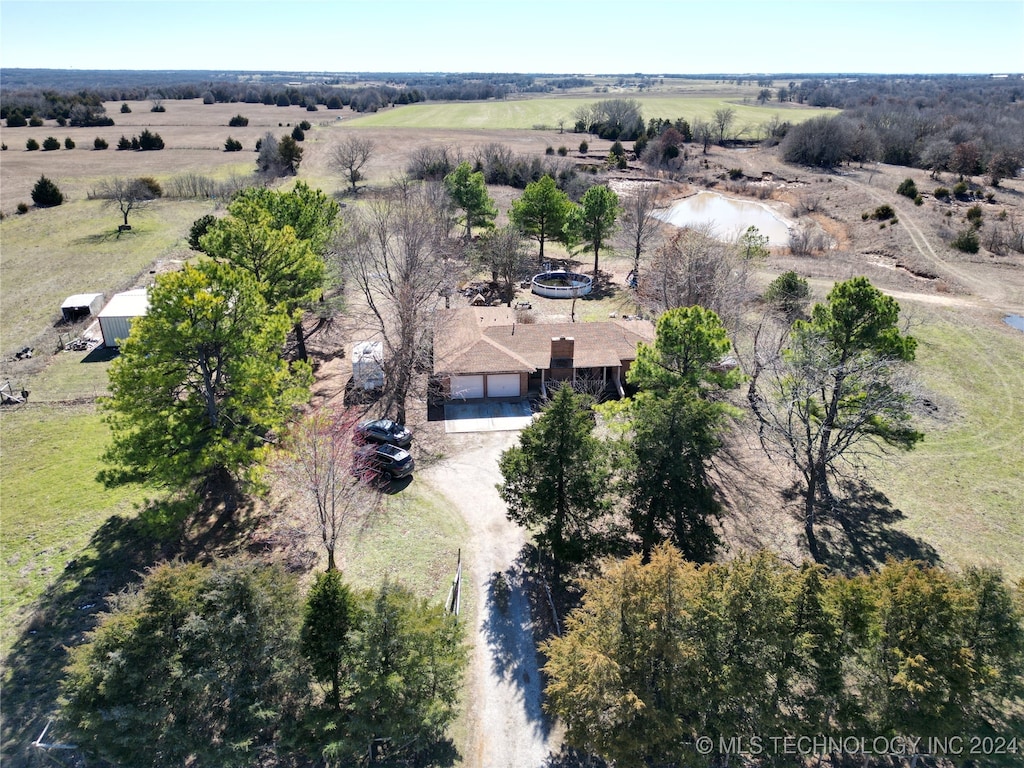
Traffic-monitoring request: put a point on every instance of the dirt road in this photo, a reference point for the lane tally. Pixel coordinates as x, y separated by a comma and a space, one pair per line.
507, 728
1001, 294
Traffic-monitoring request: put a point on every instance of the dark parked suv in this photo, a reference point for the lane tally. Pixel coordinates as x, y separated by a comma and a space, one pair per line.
383, 462
384, 431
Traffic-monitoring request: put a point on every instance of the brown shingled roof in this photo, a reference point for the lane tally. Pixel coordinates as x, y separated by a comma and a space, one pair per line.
488, 340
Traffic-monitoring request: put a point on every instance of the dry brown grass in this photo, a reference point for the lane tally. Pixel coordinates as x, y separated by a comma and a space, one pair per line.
193, 132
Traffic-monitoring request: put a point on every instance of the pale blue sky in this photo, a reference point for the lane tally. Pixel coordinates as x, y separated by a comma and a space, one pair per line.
564, 36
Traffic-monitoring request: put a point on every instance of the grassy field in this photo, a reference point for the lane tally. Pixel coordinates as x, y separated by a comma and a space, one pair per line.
962, 489
524, 114
194, 134
414, 539
51, 501
50, 254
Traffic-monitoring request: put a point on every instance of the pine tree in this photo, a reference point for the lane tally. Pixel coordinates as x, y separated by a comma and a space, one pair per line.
555, 480
330, 616
469, 193
45, 193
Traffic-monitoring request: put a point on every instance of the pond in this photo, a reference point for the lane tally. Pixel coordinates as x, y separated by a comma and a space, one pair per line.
1015, 321
729, 216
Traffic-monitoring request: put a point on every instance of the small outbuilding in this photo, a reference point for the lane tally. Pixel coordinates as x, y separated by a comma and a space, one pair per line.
368, 365
115, 318
81, 305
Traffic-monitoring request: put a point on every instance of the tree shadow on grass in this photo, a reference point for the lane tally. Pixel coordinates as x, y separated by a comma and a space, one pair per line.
862, 534
602, 287
99, 238
116, 558
119, 551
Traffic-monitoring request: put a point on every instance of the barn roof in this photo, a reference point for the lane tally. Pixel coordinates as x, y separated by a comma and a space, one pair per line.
133, 303
80, 300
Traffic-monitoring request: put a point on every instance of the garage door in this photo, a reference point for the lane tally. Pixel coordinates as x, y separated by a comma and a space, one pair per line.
503, 385
467, 387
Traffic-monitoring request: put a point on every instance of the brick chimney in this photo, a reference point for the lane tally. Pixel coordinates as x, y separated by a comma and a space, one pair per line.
562, 350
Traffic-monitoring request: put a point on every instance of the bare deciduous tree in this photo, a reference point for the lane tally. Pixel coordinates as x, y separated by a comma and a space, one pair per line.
504, 253
806, 241
349, 157
400, 258
127, 195
319, 464
696, 268
583, 117
268, 158
638, 227
723, 120
704, 132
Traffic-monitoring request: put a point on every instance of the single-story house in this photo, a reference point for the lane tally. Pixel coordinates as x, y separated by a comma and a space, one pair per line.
482, 352
115, 318
81, 305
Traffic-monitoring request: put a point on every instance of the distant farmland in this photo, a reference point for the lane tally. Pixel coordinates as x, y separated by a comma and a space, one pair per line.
533, 112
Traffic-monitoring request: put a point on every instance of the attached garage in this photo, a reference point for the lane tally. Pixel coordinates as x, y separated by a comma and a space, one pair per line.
467, 387
503, 385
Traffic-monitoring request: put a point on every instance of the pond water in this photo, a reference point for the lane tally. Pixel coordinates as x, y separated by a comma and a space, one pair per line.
1015, 321
729, 216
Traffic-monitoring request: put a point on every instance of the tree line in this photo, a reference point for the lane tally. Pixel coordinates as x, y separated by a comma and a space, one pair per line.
229, 664
967, 126
84, 106
668, 663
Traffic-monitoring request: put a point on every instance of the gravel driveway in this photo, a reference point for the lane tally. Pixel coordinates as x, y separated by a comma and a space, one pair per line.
507, 728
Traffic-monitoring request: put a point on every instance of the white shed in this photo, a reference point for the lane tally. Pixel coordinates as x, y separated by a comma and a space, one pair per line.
115, 318
81, 305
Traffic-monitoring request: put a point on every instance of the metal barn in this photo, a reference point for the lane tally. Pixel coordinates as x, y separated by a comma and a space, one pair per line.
81, 305
115, 318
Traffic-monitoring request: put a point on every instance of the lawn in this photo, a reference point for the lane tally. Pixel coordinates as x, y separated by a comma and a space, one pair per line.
962, 489
49, 254
414, 539
528, 113
52, 503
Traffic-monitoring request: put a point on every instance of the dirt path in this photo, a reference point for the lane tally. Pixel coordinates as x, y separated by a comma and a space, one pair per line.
987, 291
507, 728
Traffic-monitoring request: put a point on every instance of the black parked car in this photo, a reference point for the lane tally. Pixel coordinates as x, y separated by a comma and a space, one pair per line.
384, 431
382, 462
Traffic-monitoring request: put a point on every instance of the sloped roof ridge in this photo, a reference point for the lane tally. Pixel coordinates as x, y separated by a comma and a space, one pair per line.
510, 352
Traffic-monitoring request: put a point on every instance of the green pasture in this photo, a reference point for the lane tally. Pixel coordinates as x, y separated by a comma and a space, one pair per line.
545, 112
962, 489
67, 541
413, 539
50, 254
52, 503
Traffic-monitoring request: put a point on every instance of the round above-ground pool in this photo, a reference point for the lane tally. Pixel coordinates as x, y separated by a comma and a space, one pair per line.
559, 284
